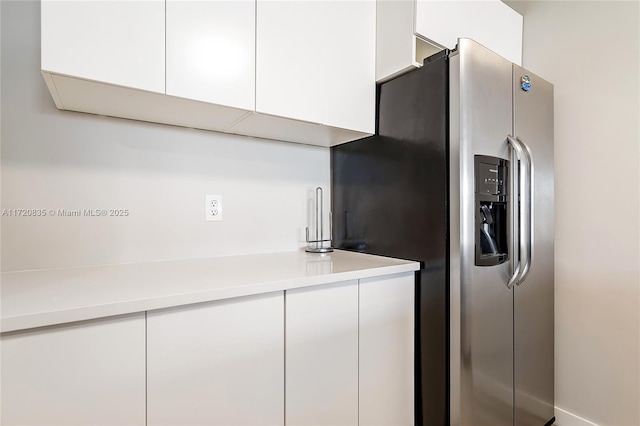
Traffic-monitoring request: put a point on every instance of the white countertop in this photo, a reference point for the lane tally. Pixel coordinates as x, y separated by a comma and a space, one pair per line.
46, 297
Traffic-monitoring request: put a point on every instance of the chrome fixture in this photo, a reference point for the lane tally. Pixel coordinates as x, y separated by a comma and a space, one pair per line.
316, 245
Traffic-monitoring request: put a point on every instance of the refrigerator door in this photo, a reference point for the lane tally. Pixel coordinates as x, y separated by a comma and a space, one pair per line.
533, 297
481, 302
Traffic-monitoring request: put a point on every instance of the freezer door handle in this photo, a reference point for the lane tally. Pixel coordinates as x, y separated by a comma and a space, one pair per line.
520, 182
528, 210
523, 201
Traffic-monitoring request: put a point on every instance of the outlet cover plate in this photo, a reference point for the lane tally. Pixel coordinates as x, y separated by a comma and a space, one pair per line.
213, 208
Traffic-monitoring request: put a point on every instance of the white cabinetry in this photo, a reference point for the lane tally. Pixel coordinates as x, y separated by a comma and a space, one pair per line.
85, 373
397, 47
211, 51
350, 353
322, 355
108, 57
489, 22
217, 363
386, 336
283, 338
298, 71
410, 30
119, 42
316, 62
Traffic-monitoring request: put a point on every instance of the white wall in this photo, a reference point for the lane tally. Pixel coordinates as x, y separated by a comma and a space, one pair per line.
590, 51
55, 159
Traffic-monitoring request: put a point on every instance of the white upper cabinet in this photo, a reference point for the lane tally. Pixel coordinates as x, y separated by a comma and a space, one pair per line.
116, 42
489, 22
211, 51
410, 30
316, 62
294, 70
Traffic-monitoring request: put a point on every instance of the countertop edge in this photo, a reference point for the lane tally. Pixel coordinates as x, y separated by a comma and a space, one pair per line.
44, 319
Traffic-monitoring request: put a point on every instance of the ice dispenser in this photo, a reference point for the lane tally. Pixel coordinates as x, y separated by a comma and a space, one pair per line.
492, 210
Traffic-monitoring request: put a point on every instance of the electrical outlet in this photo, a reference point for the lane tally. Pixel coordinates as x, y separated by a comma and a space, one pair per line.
213, 208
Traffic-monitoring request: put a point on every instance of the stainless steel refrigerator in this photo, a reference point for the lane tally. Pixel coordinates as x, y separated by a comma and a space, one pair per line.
459, 176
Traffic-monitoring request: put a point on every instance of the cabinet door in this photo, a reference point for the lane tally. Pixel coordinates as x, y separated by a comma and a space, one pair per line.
85, 373
217, 363
398, 50
322, 355
489, 22
316, 61
113, 41
386, 350
211, 51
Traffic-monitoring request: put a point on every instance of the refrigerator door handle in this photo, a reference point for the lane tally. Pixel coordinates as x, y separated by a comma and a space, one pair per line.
521, 190
529, 211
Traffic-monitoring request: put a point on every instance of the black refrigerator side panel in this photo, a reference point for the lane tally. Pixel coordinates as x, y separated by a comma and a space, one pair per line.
390, 198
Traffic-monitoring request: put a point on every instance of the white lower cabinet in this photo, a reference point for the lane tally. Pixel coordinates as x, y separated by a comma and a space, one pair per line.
84, 373
217, 363
331, 354
386, 359
322, 355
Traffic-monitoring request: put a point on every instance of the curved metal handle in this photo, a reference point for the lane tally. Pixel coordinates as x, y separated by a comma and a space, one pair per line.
529, 201
520, 155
